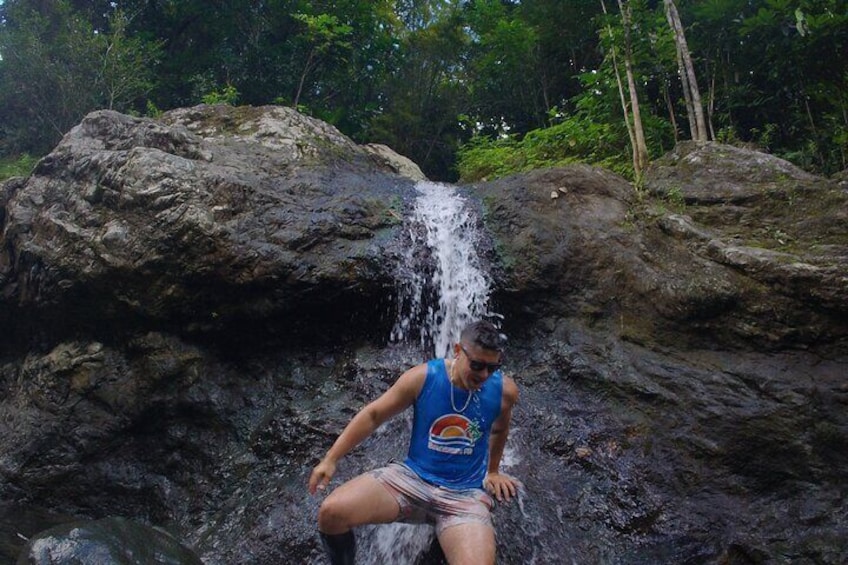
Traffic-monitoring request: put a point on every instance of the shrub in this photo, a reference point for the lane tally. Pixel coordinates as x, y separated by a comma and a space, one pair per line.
574, 140
17, 166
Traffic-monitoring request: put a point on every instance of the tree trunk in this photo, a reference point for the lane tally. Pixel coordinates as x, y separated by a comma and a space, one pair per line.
687, 95
640, 148
711, 105
687, 74
624, 108
671, 114
306, 70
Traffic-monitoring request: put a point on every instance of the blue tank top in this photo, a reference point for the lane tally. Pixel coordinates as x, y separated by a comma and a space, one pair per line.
450, 448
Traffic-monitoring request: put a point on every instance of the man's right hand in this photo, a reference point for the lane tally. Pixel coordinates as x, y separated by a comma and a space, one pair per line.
321, 475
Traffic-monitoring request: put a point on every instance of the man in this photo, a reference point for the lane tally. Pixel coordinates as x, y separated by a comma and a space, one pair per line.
461, 421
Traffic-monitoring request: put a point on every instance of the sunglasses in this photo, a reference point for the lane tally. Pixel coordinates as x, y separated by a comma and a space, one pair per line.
480, 365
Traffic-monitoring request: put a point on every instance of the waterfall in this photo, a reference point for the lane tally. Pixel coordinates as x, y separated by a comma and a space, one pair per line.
441, 283
442, 286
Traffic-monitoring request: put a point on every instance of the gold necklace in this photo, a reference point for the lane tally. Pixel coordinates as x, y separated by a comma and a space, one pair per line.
470, 392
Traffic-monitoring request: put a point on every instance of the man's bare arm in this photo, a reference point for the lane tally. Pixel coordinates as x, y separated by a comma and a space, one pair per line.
502, 486
400, 396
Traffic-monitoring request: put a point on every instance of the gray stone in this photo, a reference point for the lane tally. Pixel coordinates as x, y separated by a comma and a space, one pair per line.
109, 541
195, 306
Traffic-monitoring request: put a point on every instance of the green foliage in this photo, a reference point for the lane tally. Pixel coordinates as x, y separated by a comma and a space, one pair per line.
325, 31
675, 199
56, 67
765, 138
779, 74
228, 94
575, 139
326, 36
151, 110
125, 73
483, 158
17, 166
503, 61
427, 76
727, 135
594, 133
423, 98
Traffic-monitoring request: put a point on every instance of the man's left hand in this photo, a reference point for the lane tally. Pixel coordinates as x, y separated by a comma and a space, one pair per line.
501, 486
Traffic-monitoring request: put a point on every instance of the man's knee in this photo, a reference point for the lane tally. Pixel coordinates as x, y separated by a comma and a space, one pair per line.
332, 516
468, 543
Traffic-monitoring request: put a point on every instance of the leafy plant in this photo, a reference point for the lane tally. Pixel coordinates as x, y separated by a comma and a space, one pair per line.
226, 95
17, 166
326, 34
583, 137
151, 110
56, 66
675, 199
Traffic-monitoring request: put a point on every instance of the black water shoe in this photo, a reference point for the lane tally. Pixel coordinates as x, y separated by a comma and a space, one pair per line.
340, 548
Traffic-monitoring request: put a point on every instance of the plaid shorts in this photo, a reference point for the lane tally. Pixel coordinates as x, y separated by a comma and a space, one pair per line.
422, 502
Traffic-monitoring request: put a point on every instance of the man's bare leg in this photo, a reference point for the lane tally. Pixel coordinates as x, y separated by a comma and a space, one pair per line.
471, 543
362, 500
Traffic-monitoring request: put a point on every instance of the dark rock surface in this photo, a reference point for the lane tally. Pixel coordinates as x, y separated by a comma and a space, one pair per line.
760, 270
110, 540
194, 307
130, 219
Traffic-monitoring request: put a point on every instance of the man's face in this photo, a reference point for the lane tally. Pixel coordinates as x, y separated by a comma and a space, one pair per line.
475, 364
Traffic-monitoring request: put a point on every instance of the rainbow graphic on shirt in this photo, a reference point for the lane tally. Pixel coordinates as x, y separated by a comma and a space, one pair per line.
454, 434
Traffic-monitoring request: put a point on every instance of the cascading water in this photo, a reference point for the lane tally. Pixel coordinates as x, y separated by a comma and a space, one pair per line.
442, 285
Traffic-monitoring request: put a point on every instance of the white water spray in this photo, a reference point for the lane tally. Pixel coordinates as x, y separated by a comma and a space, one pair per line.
442, 286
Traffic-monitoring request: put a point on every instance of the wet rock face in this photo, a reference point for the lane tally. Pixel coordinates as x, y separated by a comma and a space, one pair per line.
194, 308
759, 260
63, 408
134, 219
110, 540
716, 173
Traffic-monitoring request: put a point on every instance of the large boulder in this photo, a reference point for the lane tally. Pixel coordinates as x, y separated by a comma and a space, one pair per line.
195, 306
113, 541
761, 262
210, 216
718, 173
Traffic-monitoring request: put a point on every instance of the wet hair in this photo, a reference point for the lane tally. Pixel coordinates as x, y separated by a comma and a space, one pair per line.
483, 334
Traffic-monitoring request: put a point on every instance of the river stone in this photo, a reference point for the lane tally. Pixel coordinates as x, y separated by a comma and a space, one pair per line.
109, 541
